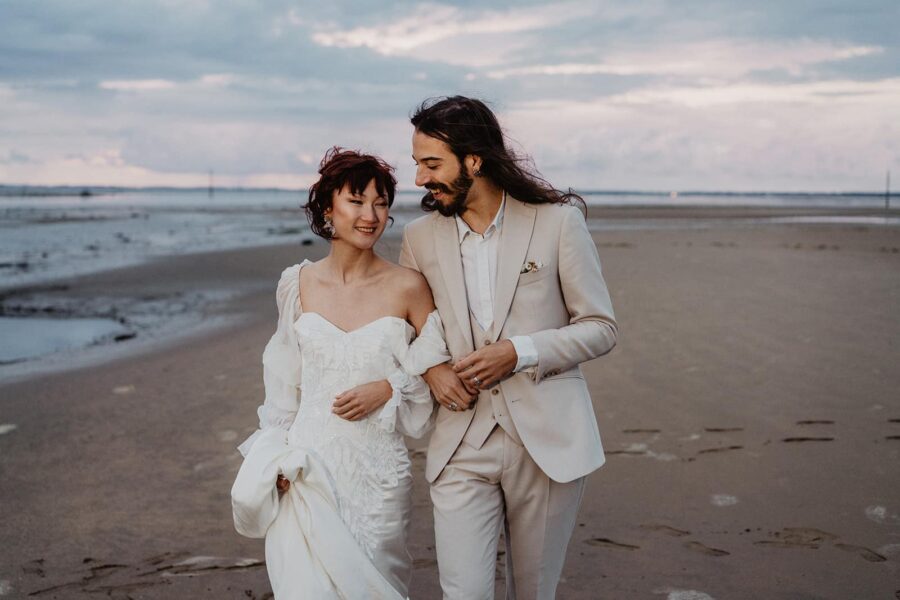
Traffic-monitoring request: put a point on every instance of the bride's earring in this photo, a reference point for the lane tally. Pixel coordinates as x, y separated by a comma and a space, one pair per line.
329, 226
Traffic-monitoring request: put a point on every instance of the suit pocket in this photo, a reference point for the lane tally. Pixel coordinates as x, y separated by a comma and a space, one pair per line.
561, 385
534, 276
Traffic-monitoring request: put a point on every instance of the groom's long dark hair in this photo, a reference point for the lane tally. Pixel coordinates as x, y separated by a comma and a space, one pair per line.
468, 126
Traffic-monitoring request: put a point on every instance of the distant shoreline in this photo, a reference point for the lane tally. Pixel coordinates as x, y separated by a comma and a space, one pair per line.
97, 190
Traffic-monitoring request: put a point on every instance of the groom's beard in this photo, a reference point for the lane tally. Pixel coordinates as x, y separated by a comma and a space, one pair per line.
459, 194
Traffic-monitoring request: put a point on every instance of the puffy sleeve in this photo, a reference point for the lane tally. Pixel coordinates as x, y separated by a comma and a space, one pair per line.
410, 409
281, 363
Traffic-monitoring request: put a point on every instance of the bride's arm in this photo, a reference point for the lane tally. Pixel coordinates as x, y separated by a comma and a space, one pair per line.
410, 408
281, 364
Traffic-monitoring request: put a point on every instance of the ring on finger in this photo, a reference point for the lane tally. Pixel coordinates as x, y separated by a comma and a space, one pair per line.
477, 381
453, 406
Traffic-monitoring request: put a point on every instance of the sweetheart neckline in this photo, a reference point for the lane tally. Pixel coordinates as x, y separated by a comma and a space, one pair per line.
352, 331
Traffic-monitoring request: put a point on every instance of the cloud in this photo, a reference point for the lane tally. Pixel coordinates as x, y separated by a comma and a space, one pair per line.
433, 23
859, 93
715, 58
707, 93
452, 35
137, 85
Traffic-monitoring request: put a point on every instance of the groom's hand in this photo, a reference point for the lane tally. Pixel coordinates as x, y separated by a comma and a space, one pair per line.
448, 389
485, 367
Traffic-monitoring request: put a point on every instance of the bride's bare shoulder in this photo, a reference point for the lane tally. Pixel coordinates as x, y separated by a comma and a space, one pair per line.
407, 280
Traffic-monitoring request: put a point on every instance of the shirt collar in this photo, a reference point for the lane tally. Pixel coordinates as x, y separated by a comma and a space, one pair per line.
494, 227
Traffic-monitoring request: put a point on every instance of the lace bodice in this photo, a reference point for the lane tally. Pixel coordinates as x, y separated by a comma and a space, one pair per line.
335, 361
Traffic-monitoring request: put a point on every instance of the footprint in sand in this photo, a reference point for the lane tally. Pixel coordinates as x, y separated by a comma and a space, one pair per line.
893, 420
892, 437
424, 563
665, 529
798, 537
608, 543
862, 551
719, 449
640, 431
815, 422
704, 549
808, 439
722, 429
6, 427
34, 567
161, 558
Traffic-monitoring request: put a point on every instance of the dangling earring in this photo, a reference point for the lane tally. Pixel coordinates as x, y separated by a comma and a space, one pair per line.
477, 172
329, 227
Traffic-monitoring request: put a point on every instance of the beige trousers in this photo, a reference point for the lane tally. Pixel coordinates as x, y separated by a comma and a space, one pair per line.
499, 484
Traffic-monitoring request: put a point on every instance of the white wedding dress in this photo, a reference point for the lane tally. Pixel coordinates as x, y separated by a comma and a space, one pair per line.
340, 530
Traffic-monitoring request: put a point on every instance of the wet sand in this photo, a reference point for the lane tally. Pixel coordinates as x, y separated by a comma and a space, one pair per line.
750, 415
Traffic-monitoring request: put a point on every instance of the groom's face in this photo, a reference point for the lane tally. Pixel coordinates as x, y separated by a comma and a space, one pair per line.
440, 172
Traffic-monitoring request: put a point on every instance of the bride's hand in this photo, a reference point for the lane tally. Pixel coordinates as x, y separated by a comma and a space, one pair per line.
358, 402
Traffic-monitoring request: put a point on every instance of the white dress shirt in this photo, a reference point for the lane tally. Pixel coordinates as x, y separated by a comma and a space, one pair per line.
479, 261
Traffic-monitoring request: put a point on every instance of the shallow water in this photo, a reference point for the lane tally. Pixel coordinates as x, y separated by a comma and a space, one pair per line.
43, 238
24, 339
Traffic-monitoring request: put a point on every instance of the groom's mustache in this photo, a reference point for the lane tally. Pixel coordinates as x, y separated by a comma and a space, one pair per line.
439, 187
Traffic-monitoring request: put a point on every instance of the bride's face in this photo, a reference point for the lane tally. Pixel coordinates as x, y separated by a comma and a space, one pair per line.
358, 219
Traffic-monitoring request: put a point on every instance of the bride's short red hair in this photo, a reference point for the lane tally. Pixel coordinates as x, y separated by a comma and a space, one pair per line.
342, 167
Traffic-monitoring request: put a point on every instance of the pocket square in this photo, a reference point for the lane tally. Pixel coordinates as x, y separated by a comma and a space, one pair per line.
531, 266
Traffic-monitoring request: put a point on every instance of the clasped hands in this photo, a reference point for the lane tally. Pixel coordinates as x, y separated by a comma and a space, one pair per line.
456, 386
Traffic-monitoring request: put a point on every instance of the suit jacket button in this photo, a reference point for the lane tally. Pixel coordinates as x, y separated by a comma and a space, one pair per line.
495, 391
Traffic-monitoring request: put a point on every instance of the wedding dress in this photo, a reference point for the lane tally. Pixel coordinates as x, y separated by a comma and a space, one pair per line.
340, 529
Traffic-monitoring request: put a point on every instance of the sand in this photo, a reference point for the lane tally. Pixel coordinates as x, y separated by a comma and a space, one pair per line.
750, 415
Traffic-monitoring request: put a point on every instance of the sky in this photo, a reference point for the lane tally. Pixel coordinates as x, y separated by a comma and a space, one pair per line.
652, 95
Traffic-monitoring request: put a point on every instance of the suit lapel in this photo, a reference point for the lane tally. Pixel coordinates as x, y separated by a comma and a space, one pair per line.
515, 237
446, 245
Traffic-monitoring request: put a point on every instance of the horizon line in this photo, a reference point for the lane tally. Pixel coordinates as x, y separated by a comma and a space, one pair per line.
111, 189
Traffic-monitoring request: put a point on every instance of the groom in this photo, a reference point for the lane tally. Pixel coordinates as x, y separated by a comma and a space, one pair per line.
516, 279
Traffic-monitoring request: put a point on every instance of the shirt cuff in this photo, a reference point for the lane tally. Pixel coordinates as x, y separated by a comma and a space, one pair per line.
526, 351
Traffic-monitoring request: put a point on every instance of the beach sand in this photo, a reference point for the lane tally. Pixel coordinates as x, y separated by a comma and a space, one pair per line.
750, 413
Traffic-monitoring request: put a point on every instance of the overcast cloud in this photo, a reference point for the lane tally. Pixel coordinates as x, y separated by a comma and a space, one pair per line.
656, 95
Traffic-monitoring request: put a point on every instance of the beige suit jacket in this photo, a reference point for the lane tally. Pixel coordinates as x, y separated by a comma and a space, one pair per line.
564, 306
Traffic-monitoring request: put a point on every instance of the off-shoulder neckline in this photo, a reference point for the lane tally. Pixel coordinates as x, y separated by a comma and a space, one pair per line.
298, 308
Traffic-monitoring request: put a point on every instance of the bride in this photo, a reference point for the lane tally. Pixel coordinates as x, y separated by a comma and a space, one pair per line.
326, 477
